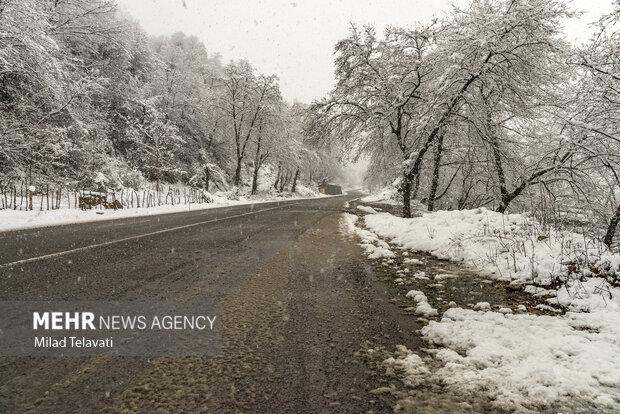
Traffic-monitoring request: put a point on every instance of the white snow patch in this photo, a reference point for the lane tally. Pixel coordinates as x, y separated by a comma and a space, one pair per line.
547, 308
482, 306
538, 291
373, 246
421, 276
531, 361
423, 308
414, 368
367, 209
407, 260
444, 276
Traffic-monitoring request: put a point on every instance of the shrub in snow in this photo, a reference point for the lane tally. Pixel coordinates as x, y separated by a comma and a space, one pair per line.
233, 194
207, 197
132, 178
608, 266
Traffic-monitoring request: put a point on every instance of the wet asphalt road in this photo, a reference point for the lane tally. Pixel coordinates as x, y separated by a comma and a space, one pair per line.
296, 303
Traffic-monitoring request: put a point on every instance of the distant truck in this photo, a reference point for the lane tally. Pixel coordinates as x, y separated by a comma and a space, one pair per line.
329, 188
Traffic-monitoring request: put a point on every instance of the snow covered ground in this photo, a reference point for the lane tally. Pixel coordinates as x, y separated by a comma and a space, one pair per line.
388, 195
569, 362
373, 246
532, 361
505, 246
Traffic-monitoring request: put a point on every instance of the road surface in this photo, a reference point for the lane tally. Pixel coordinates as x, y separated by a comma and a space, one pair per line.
296, 300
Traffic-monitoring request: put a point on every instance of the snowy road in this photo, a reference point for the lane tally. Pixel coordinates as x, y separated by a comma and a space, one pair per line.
296, 303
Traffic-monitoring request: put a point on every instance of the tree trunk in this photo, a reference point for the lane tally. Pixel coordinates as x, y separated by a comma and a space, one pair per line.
275, 185
207, 177
414, 173
435, 181
611, 229
255, 174
237, 180
406, 189
257, 165
294, 186
283, 181
415, 186
505, 198
508, 197
503, 206
29, 207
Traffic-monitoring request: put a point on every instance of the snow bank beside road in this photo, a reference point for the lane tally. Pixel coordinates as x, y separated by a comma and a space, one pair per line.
18, 219
511, 246
373, 246
529, 361
519, 361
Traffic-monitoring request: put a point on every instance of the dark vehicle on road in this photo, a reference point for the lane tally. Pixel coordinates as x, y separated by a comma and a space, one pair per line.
329, 188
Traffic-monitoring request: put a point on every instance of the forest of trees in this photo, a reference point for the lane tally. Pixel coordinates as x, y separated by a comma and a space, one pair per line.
489, 106
90, 102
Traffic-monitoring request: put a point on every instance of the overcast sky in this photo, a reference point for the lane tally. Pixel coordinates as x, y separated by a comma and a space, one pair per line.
295, 39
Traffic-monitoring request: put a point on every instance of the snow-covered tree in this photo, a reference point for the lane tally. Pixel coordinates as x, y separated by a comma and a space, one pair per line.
594, 120
380, 92
244, 98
